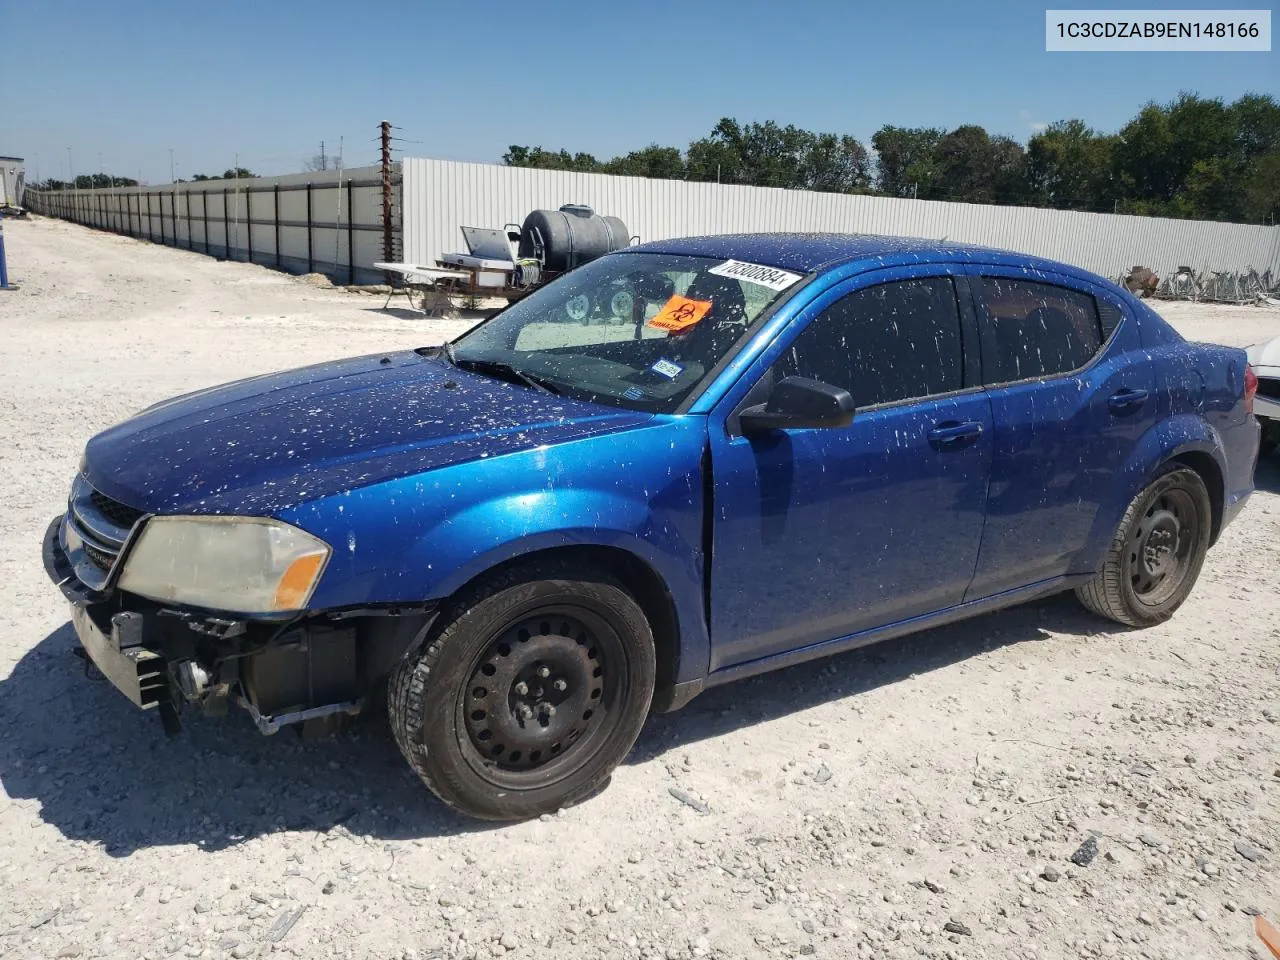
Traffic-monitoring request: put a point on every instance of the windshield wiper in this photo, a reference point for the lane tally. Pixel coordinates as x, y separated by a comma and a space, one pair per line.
504, 370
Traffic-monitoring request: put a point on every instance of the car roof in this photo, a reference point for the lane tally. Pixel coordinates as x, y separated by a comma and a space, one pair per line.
810, 252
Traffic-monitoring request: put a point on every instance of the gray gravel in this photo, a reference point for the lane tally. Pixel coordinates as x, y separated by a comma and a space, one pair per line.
923, 798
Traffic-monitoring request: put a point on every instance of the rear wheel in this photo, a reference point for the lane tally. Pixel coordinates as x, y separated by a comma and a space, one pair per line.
530, 694
1157, 552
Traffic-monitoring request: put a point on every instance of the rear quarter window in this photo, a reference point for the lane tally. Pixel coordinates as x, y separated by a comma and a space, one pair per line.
1032, 329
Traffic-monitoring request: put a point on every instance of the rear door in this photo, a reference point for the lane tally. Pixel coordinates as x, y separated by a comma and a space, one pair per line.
822, 533
1071, 393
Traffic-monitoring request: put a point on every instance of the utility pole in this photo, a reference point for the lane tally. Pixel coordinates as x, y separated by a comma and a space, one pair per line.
171, 177
324, 164
388, 235
71, 170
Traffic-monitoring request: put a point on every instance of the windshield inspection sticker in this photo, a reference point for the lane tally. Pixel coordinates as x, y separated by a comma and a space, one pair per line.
665, 368
770, 277
680, 313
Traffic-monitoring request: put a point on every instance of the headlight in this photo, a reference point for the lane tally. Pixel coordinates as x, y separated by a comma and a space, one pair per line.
236, 564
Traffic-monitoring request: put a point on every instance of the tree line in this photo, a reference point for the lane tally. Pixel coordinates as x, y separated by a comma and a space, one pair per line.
1195, 157
99, 181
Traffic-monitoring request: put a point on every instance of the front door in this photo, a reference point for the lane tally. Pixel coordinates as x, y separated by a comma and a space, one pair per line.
822, 533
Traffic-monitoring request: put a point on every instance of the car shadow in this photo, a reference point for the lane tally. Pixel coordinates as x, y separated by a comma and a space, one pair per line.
400, 313
104, 773
738, 706
1266, 475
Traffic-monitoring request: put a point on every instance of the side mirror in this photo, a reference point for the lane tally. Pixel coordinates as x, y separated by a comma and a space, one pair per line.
797, 402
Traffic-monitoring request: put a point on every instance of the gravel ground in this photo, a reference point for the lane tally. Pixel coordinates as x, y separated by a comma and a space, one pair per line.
924, 797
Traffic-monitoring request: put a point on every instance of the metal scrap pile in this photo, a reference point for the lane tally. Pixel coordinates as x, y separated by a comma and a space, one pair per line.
1210, 286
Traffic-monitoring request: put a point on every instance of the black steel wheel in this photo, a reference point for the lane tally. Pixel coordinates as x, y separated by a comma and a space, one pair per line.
529, 695
541, 692
1161, 543
1156, 553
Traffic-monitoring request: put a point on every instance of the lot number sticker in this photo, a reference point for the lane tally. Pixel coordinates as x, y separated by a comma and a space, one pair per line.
680, 313
770, 277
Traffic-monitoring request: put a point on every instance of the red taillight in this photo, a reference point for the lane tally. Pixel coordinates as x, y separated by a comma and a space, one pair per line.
1250, 387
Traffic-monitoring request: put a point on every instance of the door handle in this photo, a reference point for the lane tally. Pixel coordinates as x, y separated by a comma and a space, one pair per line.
953, 434
1126, 400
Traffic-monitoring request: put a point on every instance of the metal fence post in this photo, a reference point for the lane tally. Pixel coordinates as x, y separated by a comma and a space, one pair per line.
351, 232
277, 220
311, 253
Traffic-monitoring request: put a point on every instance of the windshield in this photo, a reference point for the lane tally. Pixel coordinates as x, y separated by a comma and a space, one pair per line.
638, 330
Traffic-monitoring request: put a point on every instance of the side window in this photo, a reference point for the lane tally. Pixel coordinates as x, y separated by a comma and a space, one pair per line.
1110, 315
895, 341
1035, 329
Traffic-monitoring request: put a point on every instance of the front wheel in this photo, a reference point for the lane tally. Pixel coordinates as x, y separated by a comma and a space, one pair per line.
1157, 552
533, 689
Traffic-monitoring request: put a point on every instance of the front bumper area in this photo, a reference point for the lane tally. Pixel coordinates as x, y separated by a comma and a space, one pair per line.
308, 669
140, 674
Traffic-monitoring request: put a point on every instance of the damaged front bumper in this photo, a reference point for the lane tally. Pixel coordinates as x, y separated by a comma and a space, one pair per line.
309, 669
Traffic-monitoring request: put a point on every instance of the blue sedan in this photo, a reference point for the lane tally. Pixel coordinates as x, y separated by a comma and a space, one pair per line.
680, 464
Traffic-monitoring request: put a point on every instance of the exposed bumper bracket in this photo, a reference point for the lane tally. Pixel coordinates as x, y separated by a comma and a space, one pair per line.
269, 725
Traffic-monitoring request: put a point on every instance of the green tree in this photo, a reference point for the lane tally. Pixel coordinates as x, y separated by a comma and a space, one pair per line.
661, 163
978, 168
1158, 149
1260, 189
241, 173
836, 164
717, 158
1068, 166
517, 156
905, 159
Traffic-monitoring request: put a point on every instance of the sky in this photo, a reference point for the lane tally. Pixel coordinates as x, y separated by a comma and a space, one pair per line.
268, 81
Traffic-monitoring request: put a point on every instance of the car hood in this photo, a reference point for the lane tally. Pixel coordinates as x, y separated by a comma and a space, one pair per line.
259, 445
1266, 355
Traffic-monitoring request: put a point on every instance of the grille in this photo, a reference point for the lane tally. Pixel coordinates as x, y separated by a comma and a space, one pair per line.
101, 559
1269, 388
113, 510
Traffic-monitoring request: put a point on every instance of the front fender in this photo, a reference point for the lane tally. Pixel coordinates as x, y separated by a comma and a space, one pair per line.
421, 538
488, 534
1170, 438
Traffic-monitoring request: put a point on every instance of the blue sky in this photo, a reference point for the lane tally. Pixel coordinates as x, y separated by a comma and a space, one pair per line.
270, 80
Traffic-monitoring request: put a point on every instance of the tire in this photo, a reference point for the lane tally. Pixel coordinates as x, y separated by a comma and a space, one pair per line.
1156, 553
530, 690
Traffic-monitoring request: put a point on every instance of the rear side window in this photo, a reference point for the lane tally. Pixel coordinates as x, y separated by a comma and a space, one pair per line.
895, 341
1110, 315
1035, 329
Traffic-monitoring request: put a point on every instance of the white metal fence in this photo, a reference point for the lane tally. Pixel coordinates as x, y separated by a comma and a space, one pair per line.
440, 196
300, 223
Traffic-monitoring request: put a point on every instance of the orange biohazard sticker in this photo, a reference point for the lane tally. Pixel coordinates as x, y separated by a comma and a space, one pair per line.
680, 313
